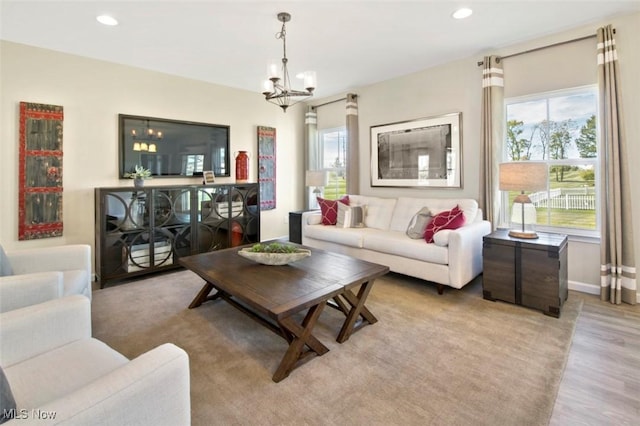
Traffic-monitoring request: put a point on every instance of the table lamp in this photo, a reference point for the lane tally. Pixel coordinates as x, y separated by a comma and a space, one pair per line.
315, 178
523, 176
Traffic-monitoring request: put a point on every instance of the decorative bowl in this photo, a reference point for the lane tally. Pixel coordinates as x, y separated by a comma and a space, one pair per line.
274, 259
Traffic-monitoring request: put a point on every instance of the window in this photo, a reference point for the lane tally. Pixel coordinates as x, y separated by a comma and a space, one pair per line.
558, 128
332, 160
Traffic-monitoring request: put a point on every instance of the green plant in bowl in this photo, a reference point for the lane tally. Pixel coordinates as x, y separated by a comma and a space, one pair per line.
274, 253
273, 248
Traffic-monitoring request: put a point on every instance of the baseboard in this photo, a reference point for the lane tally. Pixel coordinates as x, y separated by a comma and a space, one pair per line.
590, 289
584, 287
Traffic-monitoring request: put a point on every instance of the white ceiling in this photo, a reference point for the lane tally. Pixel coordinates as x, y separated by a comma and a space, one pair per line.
348, 43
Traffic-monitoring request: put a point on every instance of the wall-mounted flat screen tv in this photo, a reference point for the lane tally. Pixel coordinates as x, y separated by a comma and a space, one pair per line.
173, 148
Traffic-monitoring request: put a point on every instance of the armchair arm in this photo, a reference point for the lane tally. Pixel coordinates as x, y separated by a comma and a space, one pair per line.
465, 252
27, 332
58, 258
152, 389
18, 291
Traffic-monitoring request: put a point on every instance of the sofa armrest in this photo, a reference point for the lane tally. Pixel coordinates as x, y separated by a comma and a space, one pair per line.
313, 217
18, 291
35, 329
465, 252
58, 258
152, 389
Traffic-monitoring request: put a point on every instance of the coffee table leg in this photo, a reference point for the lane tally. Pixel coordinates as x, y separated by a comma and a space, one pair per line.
300, 336
203, 295
357, 309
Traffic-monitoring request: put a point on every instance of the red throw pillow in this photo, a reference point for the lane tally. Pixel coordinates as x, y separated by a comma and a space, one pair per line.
449, 219
329, 209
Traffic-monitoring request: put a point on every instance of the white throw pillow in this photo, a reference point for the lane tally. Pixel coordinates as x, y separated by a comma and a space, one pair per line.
350, 216
418, 224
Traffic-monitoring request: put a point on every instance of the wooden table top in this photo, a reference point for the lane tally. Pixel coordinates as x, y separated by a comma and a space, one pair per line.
279, 291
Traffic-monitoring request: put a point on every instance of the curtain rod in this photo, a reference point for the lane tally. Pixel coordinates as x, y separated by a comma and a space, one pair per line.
480, 63
330, 102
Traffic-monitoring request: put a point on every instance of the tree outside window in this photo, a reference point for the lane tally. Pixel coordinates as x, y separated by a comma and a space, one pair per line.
558, 128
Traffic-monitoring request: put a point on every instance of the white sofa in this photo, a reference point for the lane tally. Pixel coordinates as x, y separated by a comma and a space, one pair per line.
59, 374
454, 261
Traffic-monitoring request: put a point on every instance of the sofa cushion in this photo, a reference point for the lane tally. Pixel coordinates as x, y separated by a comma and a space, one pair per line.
351, 237
397, 243
329, 209
350, 216
7, 401
448, 219
34, 382
419, 223
379, 210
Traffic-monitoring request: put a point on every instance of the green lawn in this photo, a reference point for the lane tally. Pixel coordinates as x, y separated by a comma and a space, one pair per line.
585, 219
336, 187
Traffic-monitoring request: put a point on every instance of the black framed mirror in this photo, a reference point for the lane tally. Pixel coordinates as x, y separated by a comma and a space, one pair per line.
173, 148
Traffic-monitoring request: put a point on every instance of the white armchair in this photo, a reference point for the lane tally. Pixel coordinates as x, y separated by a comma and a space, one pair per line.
31, 276
54, 366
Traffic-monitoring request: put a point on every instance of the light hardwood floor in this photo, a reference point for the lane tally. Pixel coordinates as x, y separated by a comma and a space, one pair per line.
601, 382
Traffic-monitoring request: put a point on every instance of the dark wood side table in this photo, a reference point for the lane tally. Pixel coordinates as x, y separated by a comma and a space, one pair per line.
295, 226
527, 272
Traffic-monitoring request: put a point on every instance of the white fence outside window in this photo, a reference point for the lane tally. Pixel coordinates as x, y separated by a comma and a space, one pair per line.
565, 198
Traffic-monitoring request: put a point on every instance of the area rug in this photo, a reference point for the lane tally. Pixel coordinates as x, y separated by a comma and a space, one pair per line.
452, 359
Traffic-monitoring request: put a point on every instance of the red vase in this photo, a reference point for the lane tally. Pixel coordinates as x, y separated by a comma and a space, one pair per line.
242, 167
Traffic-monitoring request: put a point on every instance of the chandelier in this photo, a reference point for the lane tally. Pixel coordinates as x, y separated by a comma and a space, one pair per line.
145, 140
277, 88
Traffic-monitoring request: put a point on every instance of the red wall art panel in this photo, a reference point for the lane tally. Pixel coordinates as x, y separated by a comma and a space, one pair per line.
40, 176
267, 167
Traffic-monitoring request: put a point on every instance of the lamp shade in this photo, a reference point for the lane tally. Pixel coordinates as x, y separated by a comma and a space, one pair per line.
523, 176
315, 178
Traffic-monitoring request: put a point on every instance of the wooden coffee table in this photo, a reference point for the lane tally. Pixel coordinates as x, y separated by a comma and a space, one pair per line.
272, 295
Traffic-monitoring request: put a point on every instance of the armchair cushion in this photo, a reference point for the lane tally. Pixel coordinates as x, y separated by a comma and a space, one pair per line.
18, 291
5, 266
35, 382
36, 329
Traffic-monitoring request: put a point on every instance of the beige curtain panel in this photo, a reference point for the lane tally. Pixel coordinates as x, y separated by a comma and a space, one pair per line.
492, 136
617, 259
352, 160
311, 145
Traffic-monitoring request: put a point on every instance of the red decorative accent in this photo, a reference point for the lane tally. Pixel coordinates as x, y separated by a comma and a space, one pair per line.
242, 167
448, 219
236, 234
267, 167
329, 209
40, 171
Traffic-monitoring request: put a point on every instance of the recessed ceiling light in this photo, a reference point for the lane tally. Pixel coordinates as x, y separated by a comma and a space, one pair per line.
463, 12
107, 20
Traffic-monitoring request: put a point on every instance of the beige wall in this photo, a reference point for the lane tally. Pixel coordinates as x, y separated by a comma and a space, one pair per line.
92, 94
456, 86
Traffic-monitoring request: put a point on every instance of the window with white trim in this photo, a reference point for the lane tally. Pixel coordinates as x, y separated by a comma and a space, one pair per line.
560, 129
332, 151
